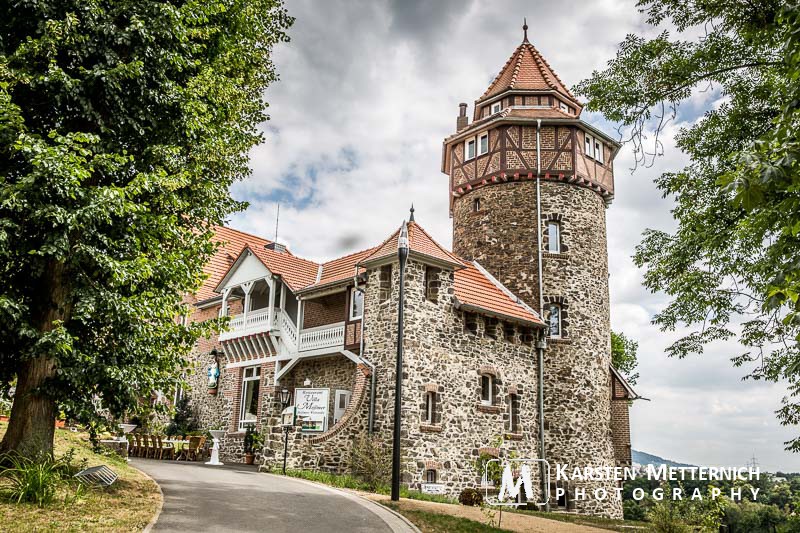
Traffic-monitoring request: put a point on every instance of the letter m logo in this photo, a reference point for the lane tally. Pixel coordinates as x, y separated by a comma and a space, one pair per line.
511, 488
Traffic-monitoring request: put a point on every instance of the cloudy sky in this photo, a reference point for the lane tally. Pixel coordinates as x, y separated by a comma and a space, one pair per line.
368, 91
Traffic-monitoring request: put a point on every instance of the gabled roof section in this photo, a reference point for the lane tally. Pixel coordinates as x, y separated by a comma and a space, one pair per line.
476, 290
420, 244
527, 70
296, 272
341, 269
630, 393
231, 243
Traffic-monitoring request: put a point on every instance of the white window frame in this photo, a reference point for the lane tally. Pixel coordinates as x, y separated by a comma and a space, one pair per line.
553, 244
354, 292
247, 380
496, 107
490, 388
598, 151
549, 319
430, 407
589, 145
338, 412
474, 142
481, 137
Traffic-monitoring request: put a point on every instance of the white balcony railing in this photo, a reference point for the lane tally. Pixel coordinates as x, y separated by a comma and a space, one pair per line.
322, 337
328, 336
257, 322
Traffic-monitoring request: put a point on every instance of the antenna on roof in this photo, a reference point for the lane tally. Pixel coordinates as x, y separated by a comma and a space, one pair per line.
277, 219
525, 29
411, 218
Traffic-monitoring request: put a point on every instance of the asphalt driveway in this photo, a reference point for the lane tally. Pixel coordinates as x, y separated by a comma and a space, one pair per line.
238, 498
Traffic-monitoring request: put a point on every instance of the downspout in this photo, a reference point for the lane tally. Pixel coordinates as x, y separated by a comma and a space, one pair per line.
373, 377
541, 342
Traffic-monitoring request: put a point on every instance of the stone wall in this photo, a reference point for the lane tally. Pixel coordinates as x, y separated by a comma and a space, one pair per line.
502, 237
440, 356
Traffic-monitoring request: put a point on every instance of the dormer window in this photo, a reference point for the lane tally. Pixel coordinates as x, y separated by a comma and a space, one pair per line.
598, 151
563, 107
469, 149
483, 144
589, 148
497, 107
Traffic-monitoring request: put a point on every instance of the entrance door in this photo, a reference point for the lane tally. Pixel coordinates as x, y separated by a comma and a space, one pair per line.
342, 399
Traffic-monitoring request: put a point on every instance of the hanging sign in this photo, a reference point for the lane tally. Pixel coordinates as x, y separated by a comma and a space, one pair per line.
312, 408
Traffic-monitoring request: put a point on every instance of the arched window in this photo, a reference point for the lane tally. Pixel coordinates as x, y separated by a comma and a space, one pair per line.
554, 320
553, 237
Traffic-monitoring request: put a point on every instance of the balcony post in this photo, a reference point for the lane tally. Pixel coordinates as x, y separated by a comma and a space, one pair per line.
224, 309
300, 310
247, 288
271, 282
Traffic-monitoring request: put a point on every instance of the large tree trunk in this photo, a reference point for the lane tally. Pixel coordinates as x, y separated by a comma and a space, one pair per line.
33, 415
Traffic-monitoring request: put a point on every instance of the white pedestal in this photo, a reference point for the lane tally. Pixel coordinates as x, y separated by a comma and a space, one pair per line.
215, 450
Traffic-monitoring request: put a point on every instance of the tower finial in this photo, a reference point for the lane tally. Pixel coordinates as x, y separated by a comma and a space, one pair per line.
525, 29
411, 217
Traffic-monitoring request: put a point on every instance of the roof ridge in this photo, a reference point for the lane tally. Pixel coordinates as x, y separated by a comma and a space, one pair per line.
242, 232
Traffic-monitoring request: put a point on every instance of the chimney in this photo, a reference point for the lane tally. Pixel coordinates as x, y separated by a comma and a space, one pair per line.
276, 246
463, 120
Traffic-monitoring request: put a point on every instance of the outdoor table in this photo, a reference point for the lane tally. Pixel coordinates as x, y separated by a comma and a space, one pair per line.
180, 446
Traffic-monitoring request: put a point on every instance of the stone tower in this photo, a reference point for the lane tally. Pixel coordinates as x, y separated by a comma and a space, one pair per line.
528, 142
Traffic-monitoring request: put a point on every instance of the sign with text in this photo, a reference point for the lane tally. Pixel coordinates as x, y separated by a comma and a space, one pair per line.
434, 488
312, 408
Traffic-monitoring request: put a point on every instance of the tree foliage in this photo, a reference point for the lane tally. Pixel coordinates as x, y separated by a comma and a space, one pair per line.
732, 267
623, 356
122, 125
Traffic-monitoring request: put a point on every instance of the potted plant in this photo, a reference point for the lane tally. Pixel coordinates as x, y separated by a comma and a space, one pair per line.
253, 443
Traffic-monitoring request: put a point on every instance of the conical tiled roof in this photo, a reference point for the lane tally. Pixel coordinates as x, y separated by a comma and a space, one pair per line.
526, 69
418, 242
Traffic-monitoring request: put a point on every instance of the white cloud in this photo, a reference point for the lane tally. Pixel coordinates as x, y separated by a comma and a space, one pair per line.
368, 91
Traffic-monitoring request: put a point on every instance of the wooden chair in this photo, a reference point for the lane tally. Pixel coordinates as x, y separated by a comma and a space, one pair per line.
201, 448
150, 446
191, 452
137, 450
131, 444
165, 449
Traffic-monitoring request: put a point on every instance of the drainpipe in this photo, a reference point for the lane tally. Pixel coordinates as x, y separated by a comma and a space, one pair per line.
541, 342
373, 377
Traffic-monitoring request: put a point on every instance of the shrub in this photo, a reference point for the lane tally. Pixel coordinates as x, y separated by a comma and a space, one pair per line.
28, 480
470, 497
184, 421
633, 510
371, 461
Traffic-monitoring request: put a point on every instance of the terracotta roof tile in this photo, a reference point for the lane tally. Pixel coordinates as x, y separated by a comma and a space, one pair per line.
232, 242
475, 289
342, 268
526, 69
418, 241
296, 272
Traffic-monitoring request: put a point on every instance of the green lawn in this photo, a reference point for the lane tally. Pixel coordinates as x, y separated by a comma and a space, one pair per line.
594, 521
442, 523
128, 505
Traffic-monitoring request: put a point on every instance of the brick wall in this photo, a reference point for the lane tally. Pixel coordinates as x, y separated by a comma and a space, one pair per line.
326, 310
621, 432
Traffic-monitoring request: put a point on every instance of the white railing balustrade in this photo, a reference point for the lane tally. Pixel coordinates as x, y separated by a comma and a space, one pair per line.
322, 337
288, 330
257, 322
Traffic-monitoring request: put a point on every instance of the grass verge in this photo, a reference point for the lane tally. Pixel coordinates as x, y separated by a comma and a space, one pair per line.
128, 505
442, 523
588, 520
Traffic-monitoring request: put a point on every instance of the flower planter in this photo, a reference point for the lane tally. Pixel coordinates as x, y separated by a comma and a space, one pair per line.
249, 458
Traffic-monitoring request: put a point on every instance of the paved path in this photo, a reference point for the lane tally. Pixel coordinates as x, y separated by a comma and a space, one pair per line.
237, 498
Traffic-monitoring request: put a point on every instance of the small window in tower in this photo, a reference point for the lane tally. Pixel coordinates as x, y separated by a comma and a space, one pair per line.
563, 107
554, 320
513, 413
487, 392
598, 151
497, 107
430, 407
483, 144
469, 149
476, 205
554, 237
589, 146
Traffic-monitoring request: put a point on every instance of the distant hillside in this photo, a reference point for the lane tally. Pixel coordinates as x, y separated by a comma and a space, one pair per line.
643, 458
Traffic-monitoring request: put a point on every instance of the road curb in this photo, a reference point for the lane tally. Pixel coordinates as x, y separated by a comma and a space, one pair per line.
376, 508
153, 520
